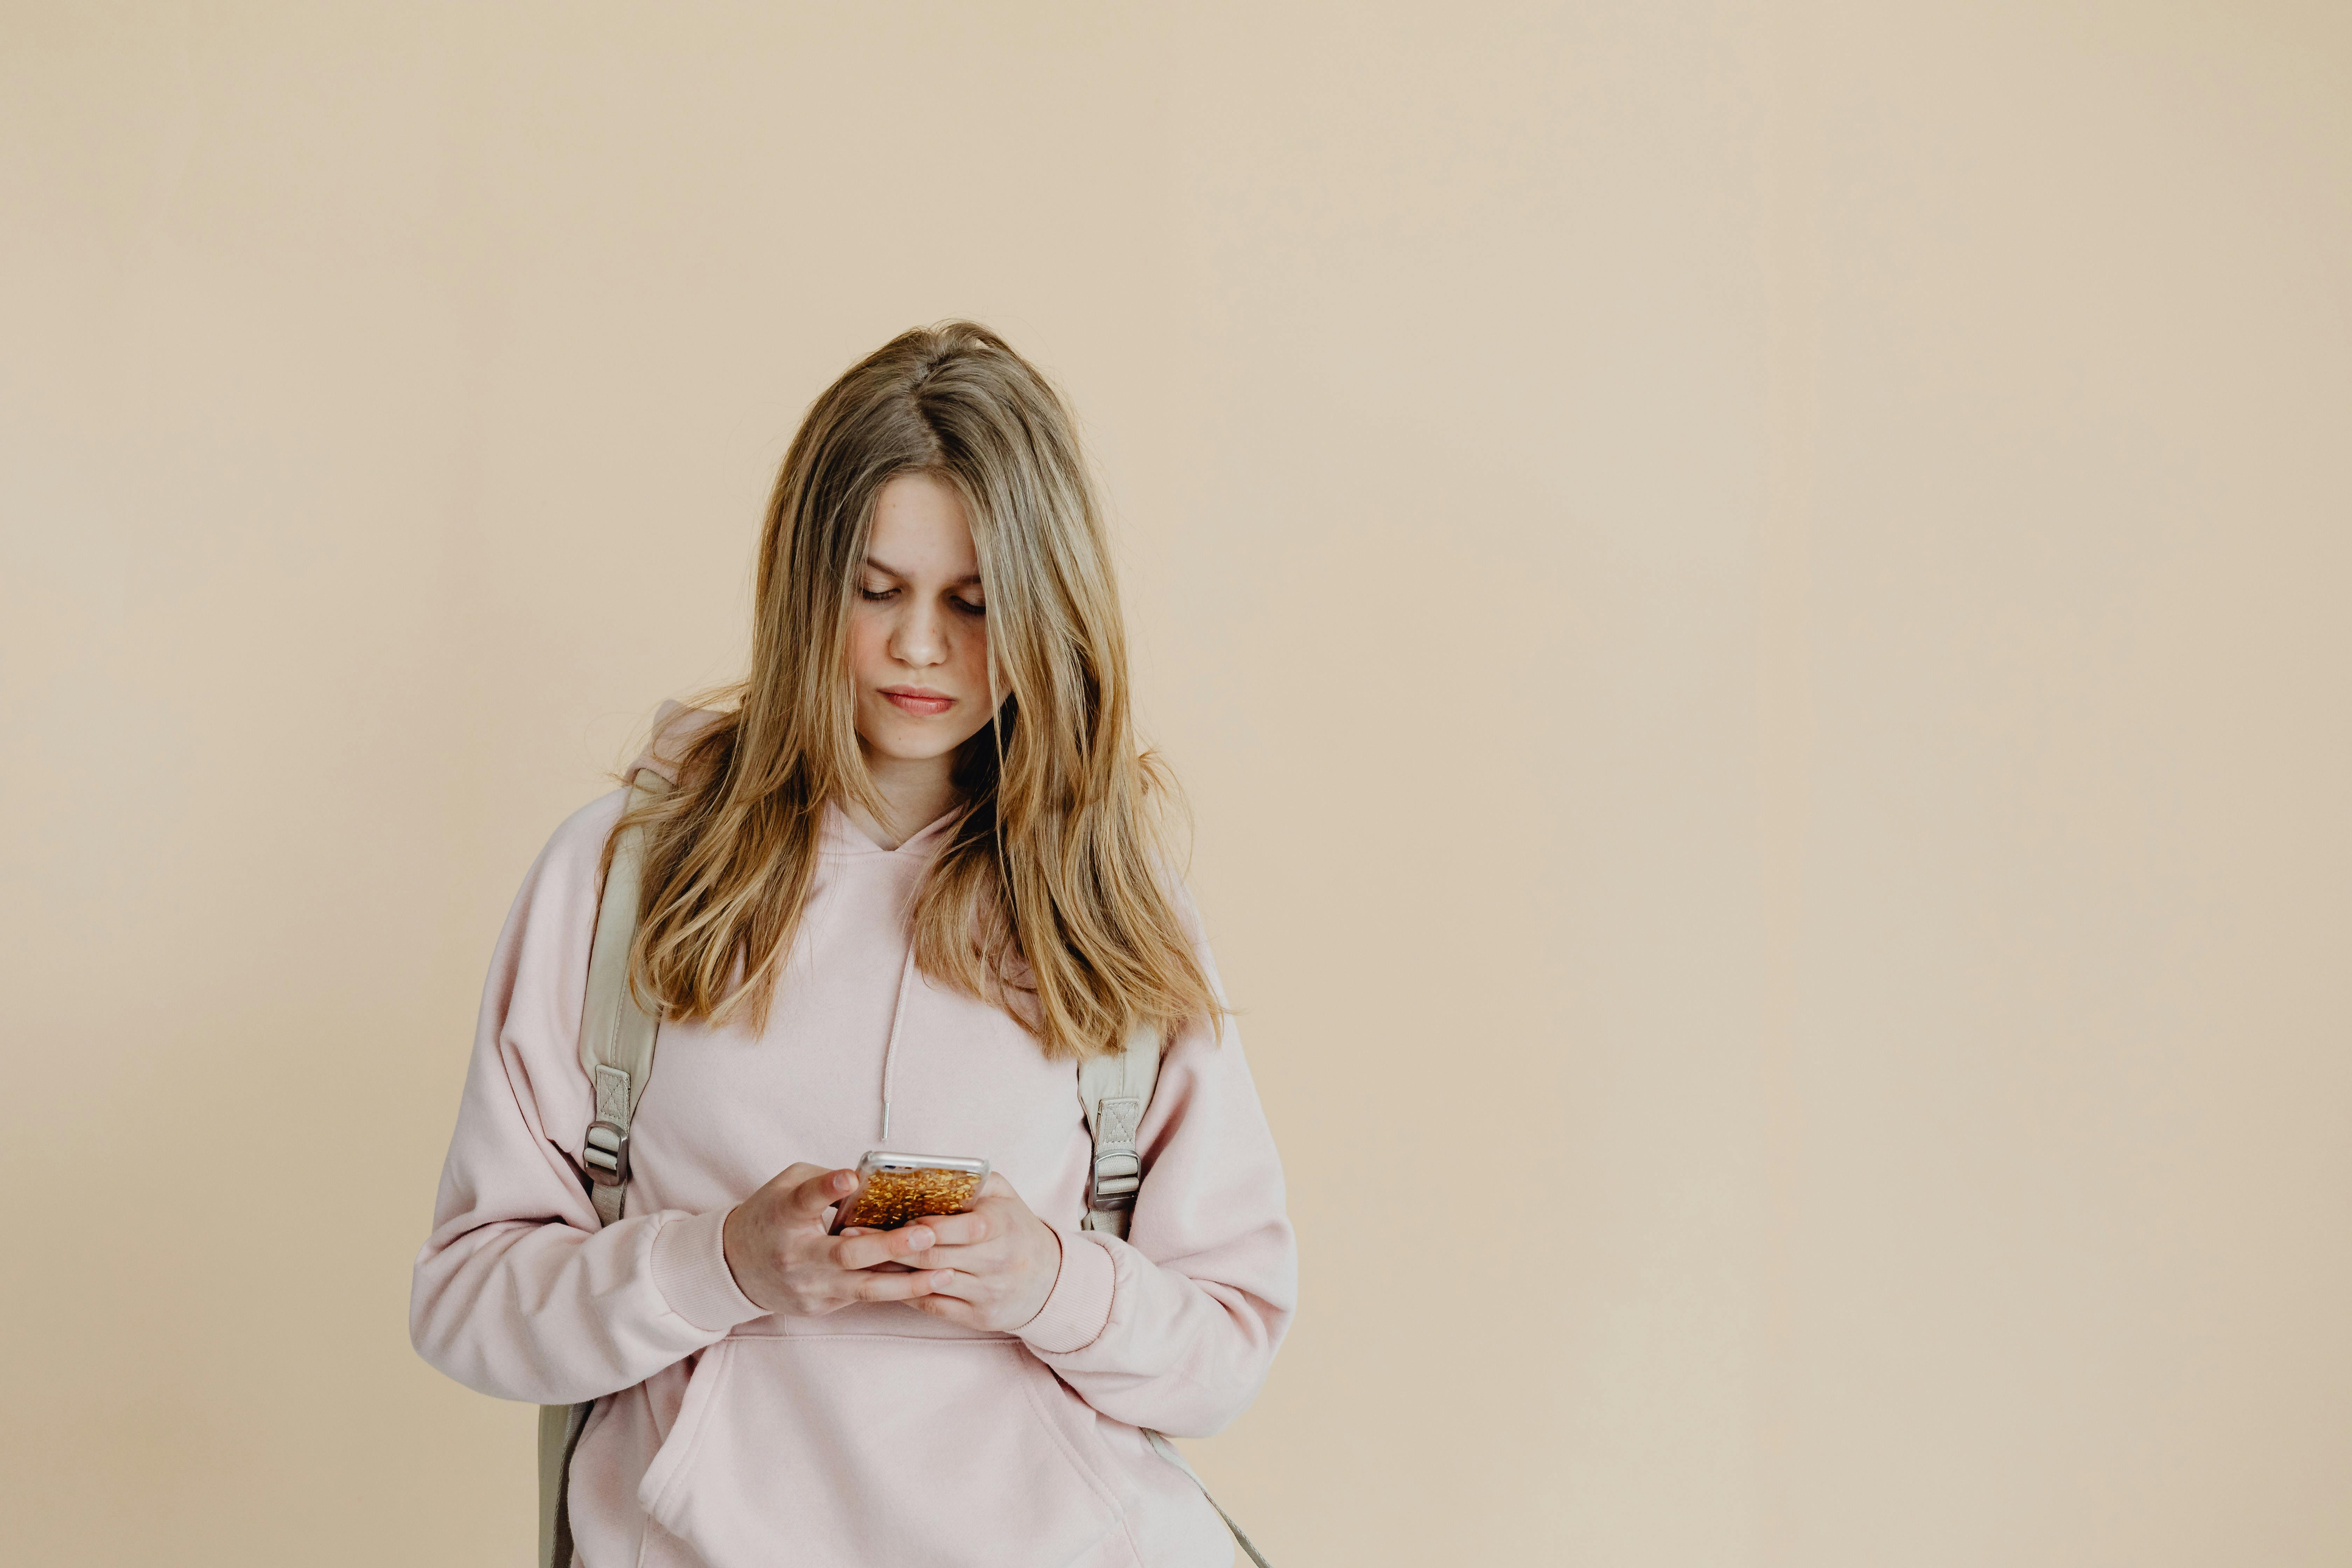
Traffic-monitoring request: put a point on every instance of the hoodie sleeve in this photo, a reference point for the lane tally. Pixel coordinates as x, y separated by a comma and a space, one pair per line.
518, 1292
1175, 1327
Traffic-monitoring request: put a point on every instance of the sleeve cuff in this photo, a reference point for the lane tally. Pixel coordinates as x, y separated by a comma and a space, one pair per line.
690, 1272
1078, 1307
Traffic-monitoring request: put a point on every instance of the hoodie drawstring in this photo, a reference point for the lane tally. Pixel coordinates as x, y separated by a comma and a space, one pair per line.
890, 1048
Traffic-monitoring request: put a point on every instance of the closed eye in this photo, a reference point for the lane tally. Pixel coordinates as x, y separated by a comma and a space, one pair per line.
884, 595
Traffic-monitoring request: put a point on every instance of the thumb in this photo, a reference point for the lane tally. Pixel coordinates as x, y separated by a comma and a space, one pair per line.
813, 1189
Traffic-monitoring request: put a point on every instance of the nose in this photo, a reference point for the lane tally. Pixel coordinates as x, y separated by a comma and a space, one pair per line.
919, 638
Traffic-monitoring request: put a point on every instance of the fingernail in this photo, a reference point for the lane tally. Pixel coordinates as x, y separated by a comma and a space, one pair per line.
921, 1238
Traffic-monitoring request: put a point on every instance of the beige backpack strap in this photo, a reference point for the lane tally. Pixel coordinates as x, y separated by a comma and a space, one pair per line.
616, 1048
1116, 1090
1166, 1450
617, 1035
559, 1434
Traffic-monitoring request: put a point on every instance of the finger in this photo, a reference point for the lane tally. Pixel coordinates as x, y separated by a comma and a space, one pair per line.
880, 1246
953, 1283
949, 1310
862, 1230
998, 1198
958, 1229
892, 1286
791, 1176
981, 1258
815, 1193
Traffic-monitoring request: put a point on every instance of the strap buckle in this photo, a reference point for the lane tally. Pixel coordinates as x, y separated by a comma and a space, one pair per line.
1115, 1178
607, 1153
1116, 1170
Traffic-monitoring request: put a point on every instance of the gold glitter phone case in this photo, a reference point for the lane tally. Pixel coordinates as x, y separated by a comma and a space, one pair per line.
895, 1189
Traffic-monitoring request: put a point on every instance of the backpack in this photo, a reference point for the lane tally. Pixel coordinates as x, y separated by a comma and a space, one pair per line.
616, 1047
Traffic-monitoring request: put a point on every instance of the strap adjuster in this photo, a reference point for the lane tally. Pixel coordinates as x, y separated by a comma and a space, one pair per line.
607, 1153
1115, 1178
1116, 1170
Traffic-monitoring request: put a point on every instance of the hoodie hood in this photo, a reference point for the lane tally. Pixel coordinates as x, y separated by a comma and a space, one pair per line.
675, 727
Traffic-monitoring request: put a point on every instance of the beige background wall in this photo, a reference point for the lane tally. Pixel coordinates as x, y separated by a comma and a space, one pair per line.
1751, 598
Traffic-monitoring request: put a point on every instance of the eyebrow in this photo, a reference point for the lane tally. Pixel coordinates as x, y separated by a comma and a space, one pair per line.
971, 581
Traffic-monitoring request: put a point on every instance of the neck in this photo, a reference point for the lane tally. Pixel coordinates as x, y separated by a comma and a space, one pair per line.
915, 790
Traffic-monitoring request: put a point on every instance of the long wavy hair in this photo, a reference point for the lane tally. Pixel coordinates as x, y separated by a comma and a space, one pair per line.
1048, 897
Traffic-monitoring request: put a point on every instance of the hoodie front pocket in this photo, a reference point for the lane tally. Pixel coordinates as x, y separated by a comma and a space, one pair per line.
844, 1450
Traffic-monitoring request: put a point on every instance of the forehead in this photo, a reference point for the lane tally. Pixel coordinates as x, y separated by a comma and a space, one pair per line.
921, 531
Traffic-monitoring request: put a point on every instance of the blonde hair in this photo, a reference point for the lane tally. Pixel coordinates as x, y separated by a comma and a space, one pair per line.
1047, 898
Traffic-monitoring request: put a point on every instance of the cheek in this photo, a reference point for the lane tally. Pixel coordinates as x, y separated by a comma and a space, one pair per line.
971, 676
973, 656
868, 641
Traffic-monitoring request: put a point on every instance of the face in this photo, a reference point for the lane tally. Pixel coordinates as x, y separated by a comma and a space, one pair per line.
918, 630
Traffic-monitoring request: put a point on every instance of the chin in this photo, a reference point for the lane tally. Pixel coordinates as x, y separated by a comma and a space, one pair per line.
913, 753
900, 747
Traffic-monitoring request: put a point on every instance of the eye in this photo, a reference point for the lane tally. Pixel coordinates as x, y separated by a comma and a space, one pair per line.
877, 596
969, 608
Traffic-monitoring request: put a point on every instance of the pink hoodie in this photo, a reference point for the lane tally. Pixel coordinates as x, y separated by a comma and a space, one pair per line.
726, 1437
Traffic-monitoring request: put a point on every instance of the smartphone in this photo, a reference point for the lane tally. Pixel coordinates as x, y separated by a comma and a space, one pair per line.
898, 1189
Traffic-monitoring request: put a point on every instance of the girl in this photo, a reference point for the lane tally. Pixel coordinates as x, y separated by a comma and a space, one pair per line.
896, 893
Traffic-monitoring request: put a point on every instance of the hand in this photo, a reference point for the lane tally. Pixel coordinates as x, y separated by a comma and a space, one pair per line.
782, 1259
1001, 1261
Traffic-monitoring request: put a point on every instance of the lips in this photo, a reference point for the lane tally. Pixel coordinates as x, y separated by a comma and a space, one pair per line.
919, 701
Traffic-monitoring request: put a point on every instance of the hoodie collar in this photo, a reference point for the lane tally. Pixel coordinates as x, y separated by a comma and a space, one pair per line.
837, 835
676, 725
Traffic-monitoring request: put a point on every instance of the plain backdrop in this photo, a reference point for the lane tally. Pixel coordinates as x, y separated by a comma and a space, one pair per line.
1751, 598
